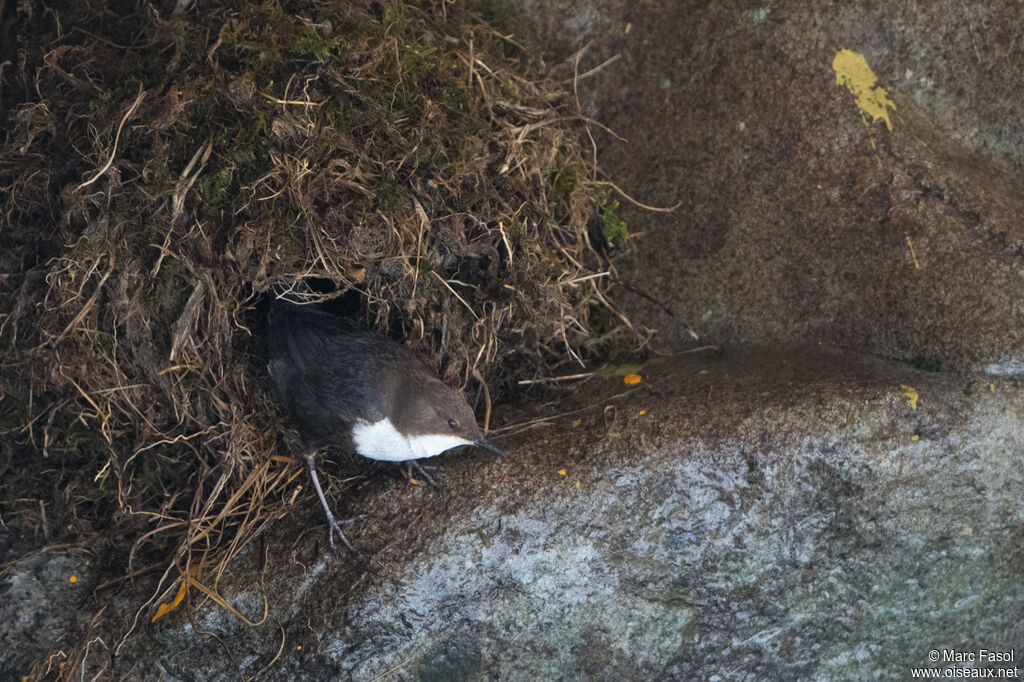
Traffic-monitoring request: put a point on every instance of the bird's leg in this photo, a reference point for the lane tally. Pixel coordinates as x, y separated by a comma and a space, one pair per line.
410, 463
332, 523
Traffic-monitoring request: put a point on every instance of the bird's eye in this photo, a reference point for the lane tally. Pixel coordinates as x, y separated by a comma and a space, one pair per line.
454, 424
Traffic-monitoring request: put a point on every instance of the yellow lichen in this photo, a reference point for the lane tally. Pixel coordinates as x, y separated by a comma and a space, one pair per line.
852, 71
911, 394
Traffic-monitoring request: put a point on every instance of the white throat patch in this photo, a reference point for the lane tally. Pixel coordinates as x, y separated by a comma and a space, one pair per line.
380, 440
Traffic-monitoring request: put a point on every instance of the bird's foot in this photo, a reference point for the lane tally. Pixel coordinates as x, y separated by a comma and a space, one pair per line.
334, 528
411, 463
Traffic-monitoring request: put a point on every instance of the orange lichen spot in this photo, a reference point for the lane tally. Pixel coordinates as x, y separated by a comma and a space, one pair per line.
190, 578
632, 379
164, 609
73, 579
561, 472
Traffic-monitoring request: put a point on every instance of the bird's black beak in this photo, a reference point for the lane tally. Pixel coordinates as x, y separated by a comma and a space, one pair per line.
481, 443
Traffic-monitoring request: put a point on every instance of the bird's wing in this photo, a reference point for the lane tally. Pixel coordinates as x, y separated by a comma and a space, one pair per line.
328, 366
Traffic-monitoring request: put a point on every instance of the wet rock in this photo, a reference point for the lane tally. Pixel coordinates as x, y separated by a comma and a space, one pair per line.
772, 518
41, 594
802, 220
456, 659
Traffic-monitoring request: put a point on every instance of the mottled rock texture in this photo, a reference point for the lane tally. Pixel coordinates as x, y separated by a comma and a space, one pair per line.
798, 223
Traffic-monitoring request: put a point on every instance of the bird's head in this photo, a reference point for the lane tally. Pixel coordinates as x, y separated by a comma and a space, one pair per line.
436, 418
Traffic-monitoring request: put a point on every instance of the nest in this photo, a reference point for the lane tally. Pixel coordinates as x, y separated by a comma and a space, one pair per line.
165, 167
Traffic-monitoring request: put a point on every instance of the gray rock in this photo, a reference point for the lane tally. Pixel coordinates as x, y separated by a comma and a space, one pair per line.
40, 604
798, 224
763, 519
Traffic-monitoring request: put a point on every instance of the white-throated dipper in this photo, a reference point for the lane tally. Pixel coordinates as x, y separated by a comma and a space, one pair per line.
351, 388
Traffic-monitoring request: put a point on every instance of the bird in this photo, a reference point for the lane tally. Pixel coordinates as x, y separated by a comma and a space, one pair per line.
348, 387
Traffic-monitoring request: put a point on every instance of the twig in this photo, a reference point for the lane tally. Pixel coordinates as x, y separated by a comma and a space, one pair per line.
645, 295
522, 426
42, 515
104, 426
576, 96
117, 138
597, 69
568, 377
277, 100
456, 294
391, 670
577, 280
274, 659
424, 222
634, 201
504, 238
487, 398
223, 603
128, 576
88, 304
609, 306
188, 178
602, 126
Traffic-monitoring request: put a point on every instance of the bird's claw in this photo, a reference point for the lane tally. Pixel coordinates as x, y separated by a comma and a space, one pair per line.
334, 527
409, 464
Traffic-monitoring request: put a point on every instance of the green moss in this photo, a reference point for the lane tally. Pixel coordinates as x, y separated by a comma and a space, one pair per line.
436, 150
413, 62
515, 231
392, 198
169, 292
153, 231
260, 40
120, 93
417, 59
614, 228
161, 178
562, 183
553, 263
394, 20
317, 47
213, 188
79, 437
455, 98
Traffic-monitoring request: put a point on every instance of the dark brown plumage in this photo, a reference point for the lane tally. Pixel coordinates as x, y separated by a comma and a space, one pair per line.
350, 388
